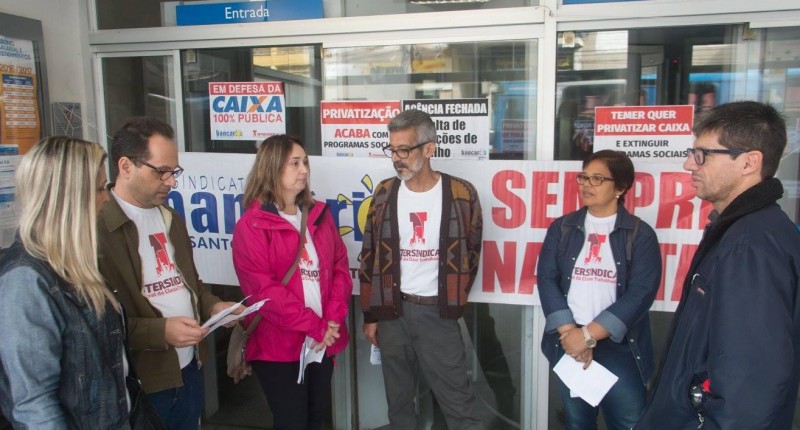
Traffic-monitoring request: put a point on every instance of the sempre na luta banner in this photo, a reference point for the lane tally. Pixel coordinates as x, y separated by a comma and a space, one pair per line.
519, 201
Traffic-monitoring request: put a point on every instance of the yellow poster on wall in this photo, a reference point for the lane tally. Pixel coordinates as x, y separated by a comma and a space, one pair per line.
19, 102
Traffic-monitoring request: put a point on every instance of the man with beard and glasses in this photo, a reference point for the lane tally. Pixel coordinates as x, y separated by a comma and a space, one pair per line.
420, 255
732, 359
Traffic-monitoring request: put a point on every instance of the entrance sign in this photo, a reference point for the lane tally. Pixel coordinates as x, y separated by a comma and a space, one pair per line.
254, 11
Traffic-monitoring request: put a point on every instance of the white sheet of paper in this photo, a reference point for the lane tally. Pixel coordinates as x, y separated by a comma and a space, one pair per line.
307, 356
591, 384
226, 316
374, 355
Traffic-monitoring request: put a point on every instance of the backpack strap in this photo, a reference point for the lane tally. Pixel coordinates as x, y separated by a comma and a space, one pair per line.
564, 231
631, 237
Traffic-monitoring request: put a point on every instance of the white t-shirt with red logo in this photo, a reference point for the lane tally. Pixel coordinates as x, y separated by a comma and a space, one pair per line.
593, 287
163, 284
308, 267
309, 271
419, 216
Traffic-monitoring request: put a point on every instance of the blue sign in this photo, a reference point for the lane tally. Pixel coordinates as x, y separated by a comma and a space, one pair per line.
18, 80
239, 12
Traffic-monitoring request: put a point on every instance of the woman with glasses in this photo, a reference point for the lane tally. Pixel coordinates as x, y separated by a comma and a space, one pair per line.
61, 355
598, 273
287, 249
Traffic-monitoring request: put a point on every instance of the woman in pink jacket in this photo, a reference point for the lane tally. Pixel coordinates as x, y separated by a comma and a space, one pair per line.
310, 310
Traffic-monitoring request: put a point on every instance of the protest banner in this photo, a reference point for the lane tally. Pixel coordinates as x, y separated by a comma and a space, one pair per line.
519, 199
246, 110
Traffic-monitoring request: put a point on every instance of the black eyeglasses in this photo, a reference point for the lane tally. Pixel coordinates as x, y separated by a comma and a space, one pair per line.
401, 152
595, 180
164, 174
701, 153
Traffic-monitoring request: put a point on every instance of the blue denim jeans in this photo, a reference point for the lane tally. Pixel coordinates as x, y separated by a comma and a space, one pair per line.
624, 403
180, 408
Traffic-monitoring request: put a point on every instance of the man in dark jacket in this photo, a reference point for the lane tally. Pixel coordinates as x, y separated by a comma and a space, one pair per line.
146, 258
732, 360
419, 260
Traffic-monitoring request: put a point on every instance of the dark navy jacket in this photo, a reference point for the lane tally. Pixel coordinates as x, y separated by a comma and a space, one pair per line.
60, 367
738, 325
627, 319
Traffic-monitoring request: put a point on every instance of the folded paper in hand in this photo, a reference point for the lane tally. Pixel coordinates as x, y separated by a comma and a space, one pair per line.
308, 355
374, 355
227, 316
590, 384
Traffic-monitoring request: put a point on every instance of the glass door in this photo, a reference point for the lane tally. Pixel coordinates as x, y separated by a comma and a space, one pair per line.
505, 72
297, 68
139, 85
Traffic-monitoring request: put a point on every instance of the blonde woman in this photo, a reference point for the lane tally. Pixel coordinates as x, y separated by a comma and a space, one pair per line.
61, 330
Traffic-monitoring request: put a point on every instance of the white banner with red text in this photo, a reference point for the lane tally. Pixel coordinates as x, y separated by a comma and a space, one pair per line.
645, 132
519, 200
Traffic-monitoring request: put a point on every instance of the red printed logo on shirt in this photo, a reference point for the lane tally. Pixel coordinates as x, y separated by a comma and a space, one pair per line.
418, 227
305, 260
595, 241
159, 243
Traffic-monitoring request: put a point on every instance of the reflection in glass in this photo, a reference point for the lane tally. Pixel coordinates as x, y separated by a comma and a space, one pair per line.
503, 72
297, 67
138, 86
703, 66
495, 331
776, 66
387, 7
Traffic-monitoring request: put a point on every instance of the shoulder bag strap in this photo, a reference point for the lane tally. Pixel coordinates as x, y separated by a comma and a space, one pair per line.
290, 272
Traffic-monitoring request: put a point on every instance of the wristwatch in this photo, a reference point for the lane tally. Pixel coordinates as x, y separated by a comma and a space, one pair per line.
588, 339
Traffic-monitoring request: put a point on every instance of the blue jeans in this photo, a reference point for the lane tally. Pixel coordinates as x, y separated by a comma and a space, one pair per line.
624, 403
180, 408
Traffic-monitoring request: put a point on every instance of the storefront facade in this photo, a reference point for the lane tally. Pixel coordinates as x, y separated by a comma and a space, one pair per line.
542, 68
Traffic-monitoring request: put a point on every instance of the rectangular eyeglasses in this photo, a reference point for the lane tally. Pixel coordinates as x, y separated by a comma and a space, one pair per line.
700, 153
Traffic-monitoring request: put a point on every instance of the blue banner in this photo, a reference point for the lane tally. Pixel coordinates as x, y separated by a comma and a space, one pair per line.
240, 12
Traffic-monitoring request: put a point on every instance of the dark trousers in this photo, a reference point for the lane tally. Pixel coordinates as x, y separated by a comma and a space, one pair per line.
180, 408
296, 406
422, 340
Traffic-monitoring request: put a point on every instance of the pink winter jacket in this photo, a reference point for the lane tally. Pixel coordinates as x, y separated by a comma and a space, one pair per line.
264, 247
